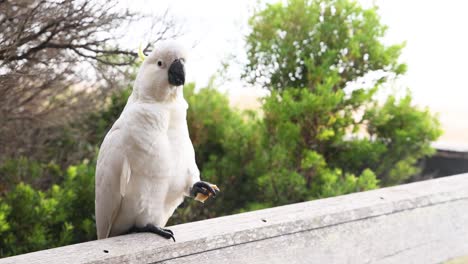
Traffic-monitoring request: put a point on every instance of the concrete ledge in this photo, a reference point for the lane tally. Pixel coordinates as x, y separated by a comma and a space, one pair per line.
424, 222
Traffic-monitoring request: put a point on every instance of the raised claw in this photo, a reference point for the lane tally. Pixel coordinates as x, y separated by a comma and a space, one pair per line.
201, 191
204, 188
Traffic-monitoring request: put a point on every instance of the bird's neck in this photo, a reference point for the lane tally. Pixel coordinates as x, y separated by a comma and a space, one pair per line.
160, 96
175, 101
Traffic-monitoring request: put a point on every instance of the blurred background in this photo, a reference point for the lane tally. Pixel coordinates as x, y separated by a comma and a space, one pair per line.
289, 101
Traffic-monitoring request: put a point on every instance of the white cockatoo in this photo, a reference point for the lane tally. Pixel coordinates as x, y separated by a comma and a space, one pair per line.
146, 163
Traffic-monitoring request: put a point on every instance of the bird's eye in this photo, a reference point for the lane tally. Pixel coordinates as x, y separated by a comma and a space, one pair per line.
159, 63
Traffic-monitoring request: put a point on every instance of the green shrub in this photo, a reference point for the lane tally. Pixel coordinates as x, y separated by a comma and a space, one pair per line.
32, 219
321, 136
22, 169
302, 133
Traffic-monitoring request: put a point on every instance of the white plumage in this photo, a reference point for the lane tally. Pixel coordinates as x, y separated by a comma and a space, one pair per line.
146, 163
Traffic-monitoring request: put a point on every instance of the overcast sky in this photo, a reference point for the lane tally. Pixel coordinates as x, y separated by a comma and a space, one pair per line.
434, 30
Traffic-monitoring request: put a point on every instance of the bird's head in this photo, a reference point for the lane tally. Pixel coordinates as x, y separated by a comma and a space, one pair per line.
162, 73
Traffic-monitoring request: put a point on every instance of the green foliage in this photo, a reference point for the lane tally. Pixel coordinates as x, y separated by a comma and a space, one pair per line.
304, 131
322, 139
305, 42
22, 169
406, 133
32, 219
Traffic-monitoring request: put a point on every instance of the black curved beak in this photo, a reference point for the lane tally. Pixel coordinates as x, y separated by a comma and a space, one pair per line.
177, 73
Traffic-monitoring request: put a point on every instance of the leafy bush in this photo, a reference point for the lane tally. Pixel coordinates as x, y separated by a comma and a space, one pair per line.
22, 169
406, 132
304, 130
302, 43
323, 134
32, 219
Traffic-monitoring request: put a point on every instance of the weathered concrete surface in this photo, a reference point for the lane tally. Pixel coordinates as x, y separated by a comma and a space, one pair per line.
424, 222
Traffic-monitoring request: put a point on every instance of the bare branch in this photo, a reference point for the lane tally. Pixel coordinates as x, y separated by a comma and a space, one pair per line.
48, 49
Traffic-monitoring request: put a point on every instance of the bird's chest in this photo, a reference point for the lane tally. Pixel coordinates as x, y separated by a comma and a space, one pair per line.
181, 152
178, 137
163, 152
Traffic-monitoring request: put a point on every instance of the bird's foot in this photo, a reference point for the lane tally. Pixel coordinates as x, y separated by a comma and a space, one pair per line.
203, 190
166, 233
